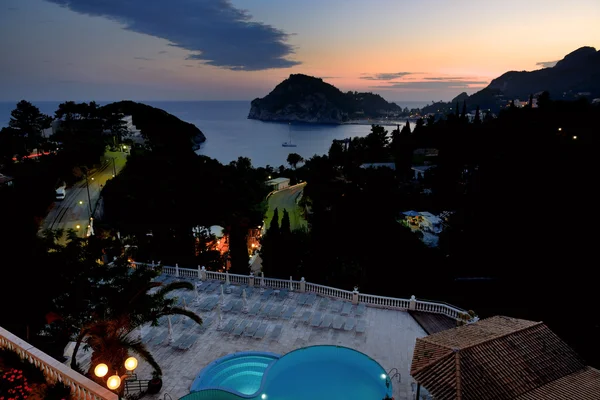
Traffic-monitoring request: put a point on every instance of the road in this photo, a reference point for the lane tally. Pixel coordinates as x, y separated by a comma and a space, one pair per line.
286, 199
74, 211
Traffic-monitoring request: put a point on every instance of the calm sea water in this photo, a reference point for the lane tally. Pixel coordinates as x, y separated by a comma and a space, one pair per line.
230, 134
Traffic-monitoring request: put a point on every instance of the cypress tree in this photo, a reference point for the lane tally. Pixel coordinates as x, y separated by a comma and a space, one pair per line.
457, 109
464, 111
530, 105
285, 224
477, 119
274, 225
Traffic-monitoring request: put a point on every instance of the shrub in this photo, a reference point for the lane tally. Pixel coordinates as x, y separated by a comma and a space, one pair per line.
14, 385
58, 391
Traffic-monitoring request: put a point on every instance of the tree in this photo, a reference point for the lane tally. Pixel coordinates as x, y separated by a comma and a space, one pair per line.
406, 129
477, 119
293, 159
456, 112
274, 224
463, 116
30, 122
285, 230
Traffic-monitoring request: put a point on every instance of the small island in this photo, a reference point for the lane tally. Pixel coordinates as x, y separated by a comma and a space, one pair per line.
303, 98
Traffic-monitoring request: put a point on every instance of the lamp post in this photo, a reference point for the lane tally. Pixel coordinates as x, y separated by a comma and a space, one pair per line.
87, 186
114, 381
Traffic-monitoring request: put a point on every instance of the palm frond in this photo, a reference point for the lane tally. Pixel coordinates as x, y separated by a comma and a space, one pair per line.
180, 311
140, 349
169, 287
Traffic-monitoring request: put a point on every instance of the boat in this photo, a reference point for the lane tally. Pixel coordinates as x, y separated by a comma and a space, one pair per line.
289, 143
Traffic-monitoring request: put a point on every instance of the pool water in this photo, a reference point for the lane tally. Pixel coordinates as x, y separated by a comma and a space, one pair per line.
316, 372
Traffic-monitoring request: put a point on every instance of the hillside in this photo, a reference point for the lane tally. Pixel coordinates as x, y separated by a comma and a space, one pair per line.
578, 72
158, 126
303, 98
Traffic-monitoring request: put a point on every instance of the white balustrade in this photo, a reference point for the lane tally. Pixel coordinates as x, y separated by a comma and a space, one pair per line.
82, 388
335, 293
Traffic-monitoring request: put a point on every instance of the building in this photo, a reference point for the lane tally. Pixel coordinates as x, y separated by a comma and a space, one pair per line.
6, 180
391, 166
501, 358
420, 170
278, 183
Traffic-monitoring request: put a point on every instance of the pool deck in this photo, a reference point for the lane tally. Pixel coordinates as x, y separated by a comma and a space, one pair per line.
389, 337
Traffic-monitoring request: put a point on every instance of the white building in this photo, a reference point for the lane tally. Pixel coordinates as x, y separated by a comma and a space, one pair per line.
279, 183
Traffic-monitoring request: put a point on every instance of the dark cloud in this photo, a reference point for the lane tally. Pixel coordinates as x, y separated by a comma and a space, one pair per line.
162, 52
215, 31
431, 85
546, 64
188, 65
385, 76
329, 77
441, 78
143, 58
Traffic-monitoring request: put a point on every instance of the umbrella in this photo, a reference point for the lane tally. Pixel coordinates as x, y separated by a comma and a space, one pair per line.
244, 301
219, 317
184, 305
170, 330
196, 294
227, 282
222, 296
291, 286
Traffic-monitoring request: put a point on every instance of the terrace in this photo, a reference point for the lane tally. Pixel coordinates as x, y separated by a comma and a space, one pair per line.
279, 316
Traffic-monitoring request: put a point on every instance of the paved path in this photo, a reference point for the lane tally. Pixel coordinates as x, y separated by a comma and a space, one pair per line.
286, 199
74, 211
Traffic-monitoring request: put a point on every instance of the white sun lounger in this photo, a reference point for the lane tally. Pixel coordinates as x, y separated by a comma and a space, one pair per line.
327, 320
338, 322
289, 312
276, 332
360, 309
306, 316
241, 327
316, 319
347, 308
349, 325
361, 326
251, 329
261, 331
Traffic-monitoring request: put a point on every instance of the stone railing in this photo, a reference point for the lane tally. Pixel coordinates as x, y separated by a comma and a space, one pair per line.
82, 388
302, 286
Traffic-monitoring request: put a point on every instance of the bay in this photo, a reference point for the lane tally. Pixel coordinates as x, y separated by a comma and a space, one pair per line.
230, 134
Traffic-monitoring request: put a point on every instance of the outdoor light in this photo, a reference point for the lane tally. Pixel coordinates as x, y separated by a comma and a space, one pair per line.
92, 178
131, 363
559, 129
113, 382
269, 176
101, 370
80, 202
574, 137
263, 396
77, 226
383, 376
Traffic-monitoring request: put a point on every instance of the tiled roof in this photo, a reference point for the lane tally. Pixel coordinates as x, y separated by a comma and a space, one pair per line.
494, 359
581, 385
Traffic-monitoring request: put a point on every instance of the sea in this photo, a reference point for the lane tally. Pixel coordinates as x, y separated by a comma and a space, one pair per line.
230, 134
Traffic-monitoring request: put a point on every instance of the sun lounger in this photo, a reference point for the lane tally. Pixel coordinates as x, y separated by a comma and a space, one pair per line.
228, 306
361, 326
230, 325
201, 286
203, 302
360, 309
276, 332
347, 308
283, 293
349, 325
261, 331
302, 299
276, 311
237, 306
316, 319
306, 316
188, 341
310, 300
267, 293
255, 309
266, 310
337, 306
240, 328
188, 322
249, 291
338, 322
289, 312
327, 320
158, 338
210, 305
205, 324
148, 337
323, 303
212, 287
251, 329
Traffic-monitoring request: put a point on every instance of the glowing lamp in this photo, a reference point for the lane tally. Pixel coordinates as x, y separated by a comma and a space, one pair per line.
263, 396
113, 382
383, 376
131, 363
101, 370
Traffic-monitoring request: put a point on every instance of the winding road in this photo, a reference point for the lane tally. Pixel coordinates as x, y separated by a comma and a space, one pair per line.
286, 199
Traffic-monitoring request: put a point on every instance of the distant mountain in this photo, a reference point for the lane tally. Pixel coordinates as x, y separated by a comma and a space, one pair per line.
159, 126
304, 98
577, 73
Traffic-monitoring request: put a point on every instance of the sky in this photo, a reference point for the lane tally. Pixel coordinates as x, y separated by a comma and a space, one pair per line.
405, 50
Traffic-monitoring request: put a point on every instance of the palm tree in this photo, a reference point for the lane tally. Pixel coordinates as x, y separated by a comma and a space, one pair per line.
126, 302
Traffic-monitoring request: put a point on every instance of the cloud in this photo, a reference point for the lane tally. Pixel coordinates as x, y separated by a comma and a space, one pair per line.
188, 65
441, 78
143, 58
431, 85
216, 32
546, 64
162, 52
329, 77
385, 76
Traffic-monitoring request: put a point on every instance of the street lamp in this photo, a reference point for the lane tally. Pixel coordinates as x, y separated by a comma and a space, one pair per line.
113, 382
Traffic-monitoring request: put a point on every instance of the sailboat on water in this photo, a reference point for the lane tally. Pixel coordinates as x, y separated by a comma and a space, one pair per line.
289, 142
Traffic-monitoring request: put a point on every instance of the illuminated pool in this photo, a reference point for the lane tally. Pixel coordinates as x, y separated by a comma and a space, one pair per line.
316, 372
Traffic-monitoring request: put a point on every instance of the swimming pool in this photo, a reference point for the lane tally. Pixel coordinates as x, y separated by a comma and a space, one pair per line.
315, 372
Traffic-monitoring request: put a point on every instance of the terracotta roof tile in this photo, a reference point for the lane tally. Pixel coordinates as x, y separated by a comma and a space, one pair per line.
494, 359
581, 385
